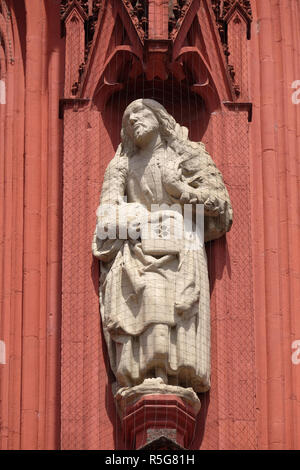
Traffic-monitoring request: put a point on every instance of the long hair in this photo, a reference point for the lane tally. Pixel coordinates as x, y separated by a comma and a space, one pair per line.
173, 134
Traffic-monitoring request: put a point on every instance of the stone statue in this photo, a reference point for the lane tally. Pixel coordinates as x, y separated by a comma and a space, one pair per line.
154, 294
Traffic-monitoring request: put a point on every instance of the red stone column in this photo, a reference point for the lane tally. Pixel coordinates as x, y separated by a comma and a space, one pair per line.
11, 226
55, 51
30, 203
276, 234
34, 287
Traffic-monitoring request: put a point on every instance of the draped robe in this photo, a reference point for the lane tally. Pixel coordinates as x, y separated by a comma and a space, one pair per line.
155, 309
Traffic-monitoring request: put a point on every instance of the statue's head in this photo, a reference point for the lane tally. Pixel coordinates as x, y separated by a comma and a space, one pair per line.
142, 119
140, 123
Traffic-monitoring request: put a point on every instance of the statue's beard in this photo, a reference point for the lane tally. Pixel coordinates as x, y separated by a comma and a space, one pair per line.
143, 135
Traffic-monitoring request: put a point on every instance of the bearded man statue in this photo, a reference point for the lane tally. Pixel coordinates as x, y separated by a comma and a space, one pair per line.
154, 294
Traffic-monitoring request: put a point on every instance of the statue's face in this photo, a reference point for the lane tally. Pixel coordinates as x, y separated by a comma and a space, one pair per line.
141, 124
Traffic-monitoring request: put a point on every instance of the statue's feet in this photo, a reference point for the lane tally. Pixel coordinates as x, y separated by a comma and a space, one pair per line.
153, 380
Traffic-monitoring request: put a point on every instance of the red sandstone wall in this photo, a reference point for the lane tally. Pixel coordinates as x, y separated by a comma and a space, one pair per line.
275, 65
31, 227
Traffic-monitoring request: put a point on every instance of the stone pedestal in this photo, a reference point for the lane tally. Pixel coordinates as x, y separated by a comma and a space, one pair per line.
159, 422
157, 416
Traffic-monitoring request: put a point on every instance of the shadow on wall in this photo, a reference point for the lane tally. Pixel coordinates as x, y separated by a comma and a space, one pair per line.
218, 257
